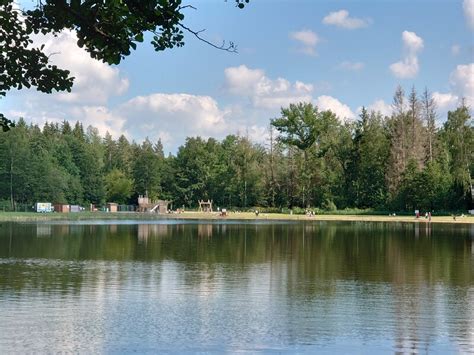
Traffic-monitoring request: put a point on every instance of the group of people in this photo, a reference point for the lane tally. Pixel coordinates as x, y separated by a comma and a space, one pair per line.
427, 215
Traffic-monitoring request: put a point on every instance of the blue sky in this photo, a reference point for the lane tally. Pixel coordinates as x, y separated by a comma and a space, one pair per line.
339, 55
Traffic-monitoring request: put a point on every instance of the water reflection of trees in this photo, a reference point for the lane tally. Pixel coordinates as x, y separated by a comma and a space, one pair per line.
308, 262
395, 253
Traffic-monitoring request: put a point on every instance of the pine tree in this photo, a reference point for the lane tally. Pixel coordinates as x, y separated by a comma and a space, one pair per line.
430, 115
458, 136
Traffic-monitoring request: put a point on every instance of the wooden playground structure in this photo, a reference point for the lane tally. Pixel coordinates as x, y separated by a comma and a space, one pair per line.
145, 204
205, 206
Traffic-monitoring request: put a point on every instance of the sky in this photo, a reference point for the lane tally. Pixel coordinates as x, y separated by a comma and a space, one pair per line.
338, 55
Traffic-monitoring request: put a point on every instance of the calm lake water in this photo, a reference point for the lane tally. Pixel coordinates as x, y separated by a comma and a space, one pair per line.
180, 286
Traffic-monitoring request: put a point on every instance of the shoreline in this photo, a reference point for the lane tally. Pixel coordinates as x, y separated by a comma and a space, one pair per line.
214, 216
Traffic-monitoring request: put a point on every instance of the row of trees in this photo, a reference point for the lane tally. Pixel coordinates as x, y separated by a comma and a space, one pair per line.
311, 158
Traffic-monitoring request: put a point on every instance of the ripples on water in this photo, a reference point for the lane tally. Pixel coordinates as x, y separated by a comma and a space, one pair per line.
326, 287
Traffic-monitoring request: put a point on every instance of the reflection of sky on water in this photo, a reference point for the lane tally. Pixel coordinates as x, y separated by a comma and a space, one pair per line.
224, 288
174, 307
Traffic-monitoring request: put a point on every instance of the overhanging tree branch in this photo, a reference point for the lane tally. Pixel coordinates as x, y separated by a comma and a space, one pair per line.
108, 30
231, 47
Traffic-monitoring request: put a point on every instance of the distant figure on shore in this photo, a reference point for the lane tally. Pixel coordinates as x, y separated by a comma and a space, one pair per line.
256, 213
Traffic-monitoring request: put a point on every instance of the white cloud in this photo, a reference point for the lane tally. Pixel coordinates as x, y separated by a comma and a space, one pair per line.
445, 102
255, 133
412, 42
462, 82
342, 19
343, 111
380, 106
468, 7
308, 39
95, 82
408, 67
173, 117
455, 49
351, 66
264, 92
302, 87
99, 117
271, 95
242, 80
40, 109
166, 138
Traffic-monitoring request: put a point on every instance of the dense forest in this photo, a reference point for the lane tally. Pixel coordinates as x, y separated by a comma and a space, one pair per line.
311, 159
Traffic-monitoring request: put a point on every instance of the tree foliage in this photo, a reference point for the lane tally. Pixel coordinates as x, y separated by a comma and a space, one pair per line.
299, 125
314, 161
108, 30
118, 187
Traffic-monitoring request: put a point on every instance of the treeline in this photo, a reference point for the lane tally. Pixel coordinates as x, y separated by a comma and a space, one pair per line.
311, 159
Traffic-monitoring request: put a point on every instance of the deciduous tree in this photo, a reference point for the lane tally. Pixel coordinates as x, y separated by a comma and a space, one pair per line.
108, 30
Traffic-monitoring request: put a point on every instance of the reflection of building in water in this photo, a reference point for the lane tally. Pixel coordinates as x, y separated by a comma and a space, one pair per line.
43, 230
146, 231
113, 228
60, 230
205, 230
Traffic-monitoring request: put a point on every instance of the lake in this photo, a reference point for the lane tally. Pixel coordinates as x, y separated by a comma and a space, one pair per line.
197, 286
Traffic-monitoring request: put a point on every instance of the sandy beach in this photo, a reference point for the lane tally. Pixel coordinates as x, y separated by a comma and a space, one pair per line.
213, 216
